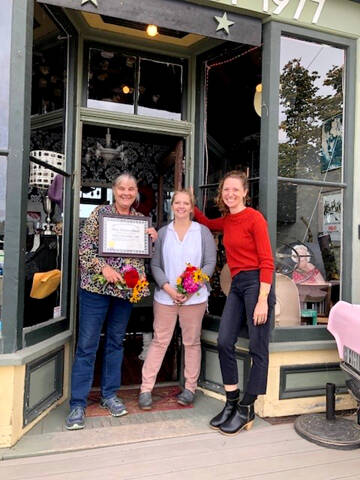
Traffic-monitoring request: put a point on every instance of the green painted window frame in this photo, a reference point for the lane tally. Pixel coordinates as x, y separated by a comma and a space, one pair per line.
183, 62
14, 336
302, 392
32, 412
214, 386
269, 178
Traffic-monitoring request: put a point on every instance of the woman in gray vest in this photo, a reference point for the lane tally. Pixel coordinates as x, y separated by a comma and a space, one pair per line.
181, 243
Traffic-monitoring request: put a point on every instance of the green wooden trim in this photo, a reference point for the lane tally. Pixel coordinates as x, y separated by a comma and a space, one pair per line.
26, 355
300, 334
269, 146
303, 392
142, 123
17, 173
47, 119
43, 333
348, 170
217, 387
314, 183
68, 194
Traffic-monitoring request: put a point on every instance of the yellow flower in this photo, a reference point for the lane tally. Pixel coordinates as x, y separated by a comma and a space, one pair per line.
178, 281
137, 291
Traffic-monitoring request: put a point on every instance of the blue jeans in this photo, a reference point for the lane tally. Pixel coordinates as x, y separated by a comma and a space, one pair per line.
94, 310
238, 312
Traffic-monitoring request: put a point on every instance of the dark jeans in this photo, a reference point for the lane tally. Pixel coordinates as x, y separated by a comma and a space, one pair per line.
94, 310
238, 311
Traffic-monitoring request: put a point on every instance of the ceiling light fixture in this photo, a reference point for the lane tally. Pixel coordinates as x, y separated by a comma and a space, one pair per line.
152, 30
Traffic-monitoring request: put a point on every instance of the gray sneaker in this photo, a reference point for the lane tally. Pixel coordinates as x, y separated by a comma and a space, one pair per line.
76, 419
186, 397
114, 405
145, 401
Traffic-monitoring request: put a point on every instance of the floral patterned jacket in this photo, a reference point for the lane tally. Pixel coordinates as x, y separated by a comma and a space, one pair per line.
91, 263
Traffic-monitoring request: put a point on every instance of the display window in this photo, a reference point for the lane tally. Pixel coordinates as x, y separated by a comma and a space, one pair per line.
310, 189
128, 83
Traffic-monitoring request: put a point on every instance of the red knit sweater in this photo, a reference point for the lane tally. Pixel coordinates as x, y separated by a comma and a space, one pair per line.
246, 241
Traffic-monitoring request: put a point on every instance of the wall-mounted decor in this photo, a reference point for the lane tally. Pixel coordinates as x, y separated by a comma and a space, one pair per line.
331, 144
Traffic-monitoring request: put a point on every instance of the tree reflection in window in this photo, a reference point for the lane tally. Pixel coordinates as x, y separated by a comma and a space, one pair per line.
311, 106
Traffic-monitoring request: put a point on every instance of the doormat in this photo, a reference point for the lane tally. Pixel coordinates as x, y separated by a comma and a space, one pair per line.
164, 398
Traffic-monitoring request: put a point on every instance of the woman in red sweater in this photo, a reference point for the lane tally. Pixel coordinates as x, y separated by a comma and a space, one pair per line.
250, 301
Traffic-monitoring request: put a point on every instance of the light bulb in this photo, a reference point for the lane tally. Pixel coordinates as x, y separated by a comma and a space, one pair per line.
152, 30
126, 89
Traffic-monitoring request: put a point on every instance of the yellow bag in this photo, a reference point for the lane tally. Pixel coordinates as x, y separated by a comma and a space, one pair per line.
45, 283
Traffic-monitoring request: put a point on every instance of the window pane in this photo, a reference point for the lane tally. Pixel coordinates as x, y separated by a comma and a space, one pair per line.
230, 143
45, 217
311, 110
111, 81
49, 65
44, 232
309, 243
160, 89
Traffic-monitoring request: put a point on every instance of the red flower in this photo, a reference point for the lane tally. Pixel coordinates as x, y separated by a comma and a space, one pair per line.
190, 269
131, 278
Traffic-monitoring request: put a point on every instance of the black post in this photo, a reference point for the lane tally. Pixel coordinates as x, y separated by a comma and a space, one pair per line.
330, 401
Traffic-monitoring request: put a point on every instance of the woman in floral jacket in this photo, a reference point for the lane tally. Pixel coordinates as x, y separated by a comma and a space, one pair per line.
100, 298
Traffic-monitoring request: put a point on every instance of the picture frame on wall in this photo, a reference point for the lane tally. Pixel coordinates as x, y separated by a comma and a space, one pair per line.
332, 214
331, 144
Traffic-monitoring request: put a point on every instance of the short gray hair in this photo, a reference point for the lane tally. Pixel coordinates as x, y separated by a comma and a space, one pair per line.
122, 176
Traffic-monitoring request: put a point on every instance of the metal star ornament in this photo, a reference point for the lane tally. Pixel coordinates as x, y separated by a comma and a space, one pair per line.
224, 23
94, 2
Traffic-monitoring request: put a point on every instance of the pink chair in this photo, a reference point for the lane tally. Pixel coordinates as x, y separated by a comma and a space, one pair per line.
344, 324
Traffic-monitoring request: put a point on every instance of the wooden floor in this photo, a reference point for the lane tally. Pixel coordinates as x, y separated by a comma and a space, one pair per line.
273, 453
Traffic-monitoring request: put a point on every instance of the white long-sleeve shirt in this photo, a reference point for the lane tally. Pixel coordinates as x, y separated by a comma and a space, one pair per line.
176, 255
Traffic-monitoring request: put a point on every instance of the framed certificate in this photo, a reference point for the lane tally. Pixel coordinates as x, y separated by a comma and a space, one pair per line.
124, 236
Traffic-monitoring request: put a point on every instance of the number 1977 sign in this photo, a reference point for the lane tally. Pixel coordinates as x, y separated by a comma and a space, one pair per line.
281, 4
277, 6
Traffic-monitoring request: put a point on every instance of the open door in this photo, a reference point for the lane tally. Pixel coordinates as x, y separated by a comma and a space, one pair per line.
157, 163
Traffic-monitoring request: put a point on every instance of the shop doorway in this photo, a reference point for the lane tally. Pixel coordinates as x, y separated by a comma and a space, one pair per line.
156, 161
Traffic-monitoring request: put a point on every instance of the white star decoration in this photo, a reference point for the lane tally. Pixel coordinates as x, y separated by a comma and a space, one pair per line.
94, 2
224, 23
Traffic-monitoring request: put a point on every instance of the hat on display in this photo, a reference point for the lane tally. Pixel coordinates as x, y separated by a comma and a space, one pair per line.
45, 283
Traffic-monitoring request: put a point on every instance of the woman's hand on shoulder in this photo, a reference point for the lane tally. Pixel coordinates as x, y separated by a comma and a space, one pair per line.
153, 233
111, 275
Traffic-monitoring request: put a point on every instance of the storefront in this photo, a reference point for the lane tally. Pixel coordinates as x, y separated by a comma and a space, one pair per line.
269, 86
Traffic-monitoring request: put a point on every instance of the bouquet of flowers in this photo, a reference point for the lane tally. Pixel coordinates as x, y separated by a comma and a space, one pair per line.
191, 280
135, 285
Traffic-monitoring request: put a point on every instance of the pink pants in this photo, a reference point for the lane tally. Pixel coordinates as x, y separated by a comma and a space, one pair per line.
165, 316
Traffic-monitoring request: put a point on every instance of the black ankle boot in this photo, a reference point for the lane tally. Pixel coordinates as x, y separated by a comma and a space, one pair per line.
225, 413
242, 418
